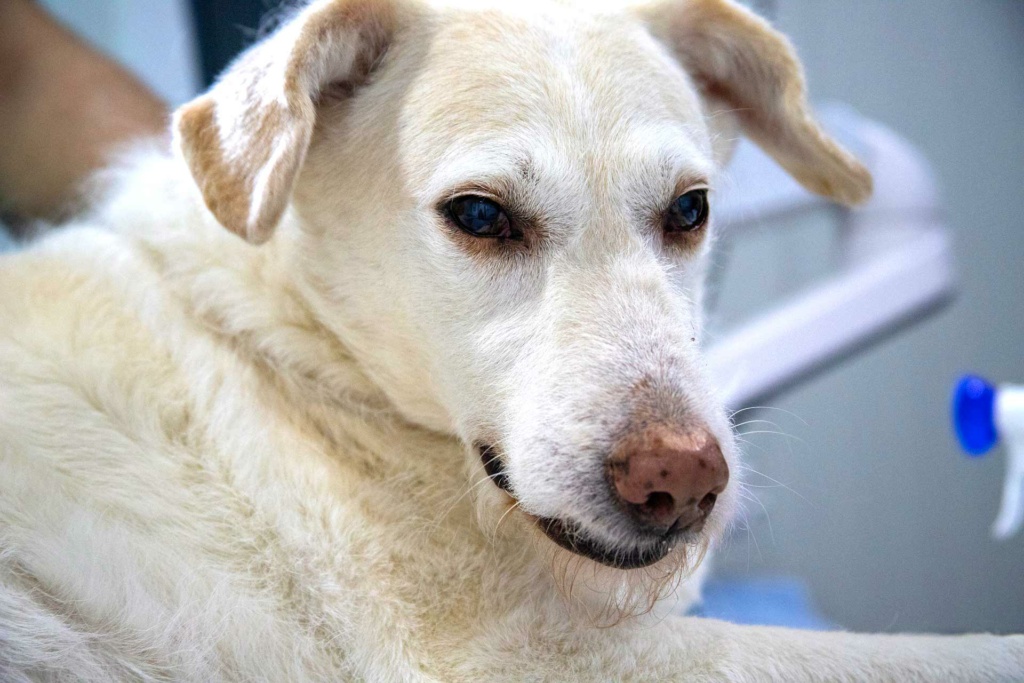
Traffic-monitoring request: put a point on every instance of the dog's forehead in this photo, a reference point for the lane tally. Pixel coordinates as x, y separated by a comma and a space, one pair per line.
507, 89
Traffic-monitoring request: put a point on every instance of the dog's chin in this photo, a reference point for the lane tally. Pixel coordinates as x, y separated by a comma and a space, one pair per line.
571, 536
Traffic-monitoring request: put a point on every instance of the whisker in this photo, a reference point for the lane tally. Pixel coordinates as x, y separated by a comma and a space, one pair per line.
755, 421
505, 514
781, 410
748, 468
769, 431
767, 516
454, 504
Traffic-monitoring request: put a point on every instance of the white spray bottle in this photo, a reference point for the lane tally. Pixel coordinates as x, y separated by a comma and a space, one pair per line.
984, 415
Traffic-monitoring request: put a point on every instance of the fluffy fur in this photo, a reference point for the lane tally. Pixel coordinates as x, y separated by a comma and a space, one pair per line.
254, 459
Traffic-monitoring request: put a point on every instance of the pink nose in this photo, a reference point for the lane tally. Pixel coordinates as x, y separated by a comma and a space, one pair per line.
668, 478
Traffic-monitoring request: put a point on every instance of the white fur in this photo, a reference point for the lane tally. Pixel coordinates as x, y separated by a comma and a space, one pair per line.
221, 461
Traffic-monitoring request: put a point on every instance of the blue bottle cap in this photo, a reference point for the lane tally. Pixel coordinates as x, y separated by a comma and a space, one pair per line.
974, 414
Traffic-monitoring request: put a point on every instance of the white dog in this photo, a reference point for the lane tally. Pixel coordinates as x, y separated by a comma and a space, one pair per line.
441, 414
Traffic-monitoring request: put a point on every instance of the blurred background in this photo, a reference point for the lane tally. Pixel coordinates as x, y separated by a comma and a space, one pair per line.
864, 501
880, 513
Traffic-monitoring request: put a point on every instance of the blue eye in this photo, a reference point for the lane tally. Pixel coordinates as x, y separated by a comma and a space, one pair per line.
688, 212
479, 216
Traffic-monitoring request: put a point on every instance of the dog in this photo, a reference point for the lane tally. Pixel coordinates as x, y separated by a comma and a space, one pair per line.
387, 367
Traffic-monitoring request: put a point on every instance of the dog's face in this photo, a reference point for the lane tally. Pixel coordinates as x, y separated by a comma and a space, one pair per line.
505, 213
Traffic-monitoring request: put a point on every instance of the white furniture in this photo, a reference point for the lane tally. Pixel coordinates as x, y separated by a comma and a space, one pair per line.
891, 261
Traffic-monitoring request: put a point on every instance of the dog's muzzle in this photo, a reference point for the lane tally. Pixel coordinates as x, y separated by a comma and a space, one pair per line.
665, 482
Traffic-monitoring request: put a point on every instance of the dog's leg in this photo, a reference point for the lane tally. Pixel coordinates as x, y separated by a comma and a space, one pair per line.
705, 650
746, 653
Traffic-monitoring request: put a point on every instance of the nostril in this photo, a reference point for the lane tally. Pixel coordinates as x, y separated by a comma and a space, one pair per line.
707, 503
659, 505
658, 510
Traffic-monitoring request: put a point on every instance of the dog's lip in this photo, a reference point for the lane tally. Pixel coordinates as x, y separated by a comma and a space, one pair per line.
569, 535
494, 467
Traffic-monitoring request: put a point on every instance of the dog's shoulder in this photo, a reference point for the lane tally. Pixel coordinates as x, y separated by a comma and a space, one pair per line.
67, 312
163, 507
40, 280
88, 403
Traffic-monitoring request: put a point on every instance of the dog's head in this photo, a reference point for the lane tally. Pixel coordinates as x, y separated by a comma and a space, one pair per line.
505, 213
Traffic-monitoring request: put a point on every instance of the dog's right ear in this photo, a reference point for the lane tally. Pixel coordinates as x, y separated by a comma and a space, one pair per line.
246, 138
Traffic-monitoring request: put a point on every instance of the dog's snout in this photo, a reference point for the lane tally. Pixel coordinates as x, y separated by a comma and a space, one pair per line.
668, 478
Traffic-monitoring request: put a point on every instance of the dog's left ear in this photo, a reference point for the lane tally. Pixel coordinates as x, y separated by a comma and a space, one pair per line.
736, 57
246, 138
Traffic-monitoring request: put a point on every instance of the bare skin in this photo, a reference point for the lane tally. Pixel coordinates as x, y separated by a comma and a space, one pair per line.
63, 108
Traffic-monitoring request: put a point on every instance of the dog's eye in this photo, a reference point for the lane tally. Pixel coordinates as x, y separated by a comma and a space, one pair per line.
480, 217
688, 212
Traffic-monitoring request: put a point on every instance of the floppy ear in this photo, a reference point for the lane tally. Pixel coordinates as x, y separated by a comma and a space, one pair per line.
246, 138
734, 56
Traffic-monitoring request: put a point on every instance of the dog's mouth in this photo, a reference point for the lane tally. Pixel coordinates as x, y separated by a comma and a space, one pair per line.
572, 537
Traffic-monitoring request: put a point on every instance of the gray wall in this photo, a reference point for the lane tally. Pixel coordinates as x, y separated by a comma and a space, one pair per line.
880, 513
